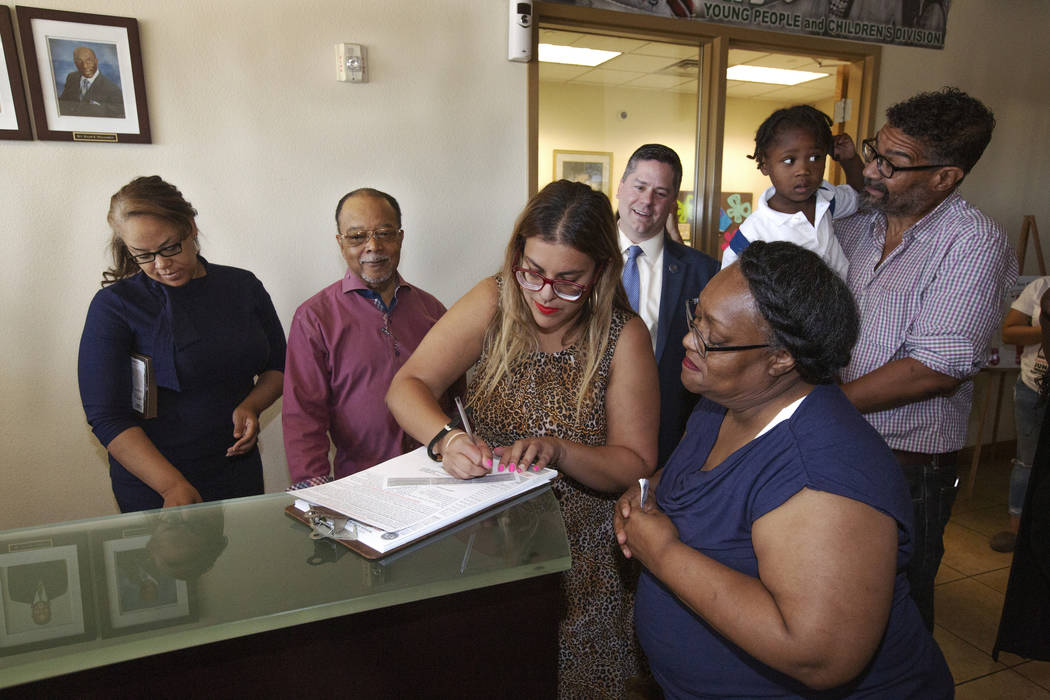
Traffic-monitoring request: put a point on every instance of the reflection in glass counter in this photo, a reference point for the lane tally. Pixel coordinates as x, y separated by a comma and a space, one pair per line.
145, 583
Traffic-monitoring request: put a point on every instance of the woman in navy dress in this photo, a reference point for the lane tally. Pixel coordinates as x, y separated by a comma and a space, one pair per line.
217, 349
776, 538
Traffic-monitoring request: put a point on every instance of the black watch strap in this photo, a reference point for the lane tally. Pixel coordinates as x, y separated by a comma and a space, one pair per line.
449, 427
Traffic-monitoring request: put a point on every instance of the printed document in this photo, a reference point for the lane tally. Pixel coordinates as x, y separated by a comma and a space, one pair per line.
411, 496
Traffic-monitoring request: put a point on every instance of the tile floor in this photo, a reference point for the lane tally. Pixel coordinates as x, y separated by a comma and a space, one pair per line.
969, 596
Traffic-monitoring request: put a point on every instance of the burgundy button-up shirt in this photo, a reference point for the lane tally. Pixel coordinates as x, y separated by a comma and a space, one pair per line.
344, 347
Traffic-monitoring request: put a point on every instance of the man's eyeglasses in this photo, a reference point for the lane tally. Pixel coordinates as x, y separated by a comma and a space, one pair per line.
168, 251
702, 348
361, 236
885, 167
563, 289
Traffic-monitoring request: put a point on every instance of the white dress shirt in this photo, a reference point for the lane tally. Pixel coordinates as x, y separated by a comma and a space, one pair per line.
650, 278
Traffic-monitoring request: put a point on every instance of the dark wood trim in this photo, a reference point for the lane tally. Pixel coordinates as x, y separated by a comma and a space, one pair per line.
26, 15
500, 641
18, 93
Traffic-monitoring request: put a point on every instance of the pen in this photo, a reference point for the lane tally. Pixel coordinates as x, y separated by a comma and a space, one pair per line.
463, 417
644, 485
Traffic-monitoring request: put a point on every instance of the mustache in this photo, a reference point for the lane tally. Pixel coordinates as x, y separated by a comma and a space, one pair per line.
374, 258
868, 182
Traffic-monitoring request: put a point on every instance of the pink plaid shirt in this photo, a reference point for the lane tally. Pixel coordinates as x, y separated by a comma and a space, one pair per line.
937, 298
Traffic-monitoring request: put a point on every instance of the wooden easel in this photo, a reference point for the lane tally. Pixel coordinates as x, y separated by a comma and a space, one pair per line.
1028, 227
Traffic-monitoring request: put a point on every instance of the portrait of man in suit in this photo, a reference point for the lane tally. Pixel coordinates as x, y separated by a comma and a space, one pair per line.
87, 92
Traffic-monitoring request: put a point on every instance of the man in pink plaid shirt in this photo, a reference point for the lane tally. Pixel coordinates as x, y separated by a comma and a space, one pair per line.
929, 272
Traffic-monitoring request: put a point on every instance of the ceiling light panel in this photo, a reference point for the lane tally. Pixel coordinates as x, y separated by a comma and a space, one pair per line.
574, 55
770, 76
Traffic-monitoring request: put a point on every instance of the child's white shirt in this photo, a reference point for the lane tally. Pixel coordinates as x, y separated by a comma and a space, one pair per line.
767, 224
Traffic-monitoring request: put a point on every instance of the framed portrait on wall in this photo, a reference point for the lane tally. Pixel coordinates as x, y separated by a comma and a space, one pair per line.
592, 168
137, 594
45, 594
85, 76
14, 115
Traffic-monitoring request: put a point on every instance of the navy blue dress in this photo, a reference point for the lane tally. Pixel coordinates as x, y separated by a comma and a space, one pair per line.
209, 339
826, 446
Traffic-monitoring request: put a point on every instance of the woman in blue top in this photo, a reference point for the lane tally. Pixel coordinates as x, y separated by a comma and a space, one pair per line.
217, 349
776, 538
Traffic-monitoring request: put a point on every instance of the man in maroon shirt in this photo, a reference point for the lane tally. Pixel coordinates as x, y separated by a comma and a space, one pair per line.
345, 345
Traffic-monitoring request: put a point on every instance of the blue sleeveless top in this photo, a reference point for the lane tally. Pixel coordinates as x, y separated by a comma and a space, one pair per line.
826, 445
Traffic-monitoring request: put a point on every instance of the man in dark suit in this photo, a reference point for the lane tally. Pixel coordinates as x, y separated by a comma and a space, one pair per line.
660, 275
87, 92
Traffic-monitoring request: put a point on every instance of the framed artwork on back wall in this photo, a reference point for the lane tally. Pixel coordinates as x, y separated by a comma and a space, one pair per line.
14, 115
592, 168
85, 76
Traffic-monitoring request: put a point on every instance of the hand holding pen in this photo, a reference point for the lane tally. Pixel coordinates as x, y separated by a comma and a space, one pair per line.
464, 456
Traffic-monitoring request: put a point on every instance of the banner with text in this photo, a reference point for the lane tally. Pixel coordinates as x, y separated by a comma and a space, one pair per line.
904, 22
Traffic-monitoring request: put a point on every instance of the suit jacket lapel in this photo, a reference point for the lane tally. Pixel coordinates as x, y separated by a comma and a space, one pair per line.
670, 293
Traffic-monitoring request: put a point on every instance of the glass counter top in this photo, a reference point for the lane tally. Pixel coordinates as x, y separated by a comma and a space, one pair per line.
89, 593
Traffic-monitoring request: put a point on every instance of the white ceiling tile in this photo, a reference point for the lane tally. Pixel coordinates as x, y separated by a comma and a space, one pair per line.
737, 56
557, 36
655, 48
640, 64
559, 72
599, 76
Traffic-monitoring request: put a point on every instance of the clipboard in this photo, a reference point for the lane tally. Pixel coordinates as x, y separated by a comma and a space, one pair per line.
143, 386
368, 553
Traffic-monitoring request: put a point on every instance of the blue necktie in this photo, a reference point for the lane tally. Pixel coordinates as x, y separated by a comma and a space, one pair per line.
630, 276
84, 85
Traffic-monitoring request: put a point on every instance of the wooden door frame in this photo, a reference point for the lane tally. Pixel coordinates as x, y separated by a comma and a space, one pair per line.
713, 42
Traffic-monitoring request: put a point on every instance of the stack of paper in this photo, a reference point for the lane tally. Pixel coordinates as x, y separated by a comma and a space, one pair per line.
409, 497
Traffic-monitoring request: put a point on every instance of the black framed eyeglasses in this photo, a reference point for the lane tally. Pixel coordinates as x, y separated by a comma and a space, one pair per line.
885, 167
563, 289
360, 236
702, 348
168, 251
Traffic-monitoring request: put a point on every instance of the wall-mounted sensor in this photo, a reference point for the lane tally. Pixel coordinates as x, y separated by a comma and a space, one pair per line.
519, 31
350, 63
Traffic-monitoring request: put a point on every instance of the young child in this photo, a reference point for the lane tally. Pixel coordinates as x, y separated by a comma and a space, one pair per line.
791, 146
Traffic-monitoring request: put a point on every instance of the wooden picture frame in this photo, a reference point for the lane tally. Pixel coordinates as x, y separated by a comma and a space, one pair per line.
14, 114
62, 47
592, 168
45, 593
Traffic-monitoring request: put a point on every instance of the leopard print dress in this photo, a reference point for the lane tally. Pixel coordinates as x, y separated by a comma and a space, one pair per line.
597, 647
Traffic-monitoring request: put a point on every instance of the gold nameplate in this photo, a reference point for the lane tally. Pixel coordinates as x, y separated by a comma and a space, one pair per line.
89, 136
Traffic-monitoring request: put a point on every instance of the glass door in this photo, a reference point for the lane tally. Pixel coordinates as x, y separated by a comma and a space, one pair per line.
831, 85
592, 117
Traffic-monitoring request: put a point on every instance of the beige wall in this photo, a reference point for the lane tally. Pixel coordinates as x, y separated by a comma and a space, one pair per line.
589, 119
249, 120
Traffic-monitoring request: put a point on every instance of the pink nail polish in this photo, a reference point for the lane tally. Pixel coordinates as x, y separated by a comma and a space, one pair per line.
488, 463
512, 466
501, 467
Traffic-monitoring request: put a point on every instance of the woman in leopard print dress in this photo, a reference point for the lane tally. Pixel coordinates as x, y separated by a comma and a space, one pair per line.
564, 376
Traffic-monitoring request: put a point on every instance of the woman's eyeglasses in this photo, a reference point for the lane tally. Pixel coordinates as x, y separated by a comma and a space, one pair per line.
563, 289
702, 348
884, 166
165, 252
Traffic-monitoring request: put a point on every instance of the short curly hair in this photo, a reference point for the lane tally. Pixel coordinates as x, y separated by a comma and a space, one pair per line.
810, 310
802, 117
953, 127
